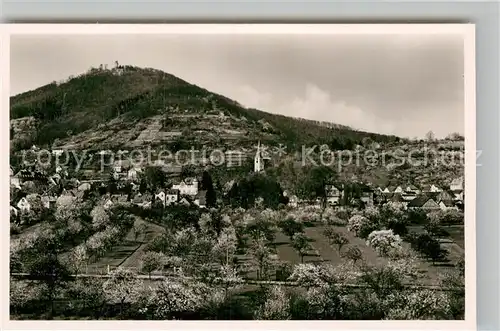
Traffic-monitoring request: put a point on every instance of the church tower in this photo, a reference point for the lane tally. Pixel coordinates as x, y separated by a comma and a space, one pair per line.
259, 160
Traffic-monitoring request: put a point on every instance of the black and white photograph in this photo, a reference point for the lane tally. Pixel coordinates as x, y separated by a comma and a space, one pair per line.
226, 172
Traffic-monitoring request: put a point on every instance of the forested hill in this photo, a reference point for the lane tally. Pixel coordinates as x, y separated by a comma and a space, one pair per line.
113, 107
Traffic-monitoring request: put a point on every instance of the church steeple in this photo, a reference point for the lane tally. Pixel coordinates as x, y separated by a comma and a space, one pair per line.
258, 161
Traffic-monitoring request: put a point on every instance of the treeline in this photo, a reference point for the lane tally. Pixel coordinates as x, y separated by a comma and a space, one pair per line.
254, 188
297, 132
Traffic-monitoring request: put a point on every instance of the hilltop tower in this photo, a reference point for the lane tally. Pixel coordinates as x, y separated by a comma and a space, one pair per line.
259, 160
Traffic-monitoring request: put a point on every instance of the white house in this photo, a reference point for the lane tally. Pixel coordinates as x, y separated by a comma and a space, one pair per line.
258, 160
408, 196
188, 186
447, 205
132, 174
160, 196
434, 188
171, 196
398, 190
58, 169
333, 194
48, 201
294, 201
459, 196
117, 167
367, 197
23, 205
15, 181
412, 189
45, 202
457, 184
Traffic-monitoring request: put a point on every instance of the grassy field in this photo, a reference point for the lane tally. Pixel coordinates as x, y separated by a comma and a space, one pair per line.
128, 254
131, 249
287, 253
456, 233
115, 257
26, 231
430, 274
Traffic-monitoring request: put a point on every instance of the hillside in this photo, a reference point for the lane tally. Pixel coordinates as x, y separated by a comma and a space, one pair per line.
128, 106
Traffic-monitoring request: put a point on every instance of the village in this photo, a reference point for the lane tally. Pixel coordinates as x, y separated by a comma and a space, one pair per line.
138, 195
186, 191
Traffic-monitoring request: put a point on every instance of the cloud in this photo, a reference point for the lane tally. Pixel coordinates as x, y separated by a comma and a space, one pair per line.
315, 104
251, 98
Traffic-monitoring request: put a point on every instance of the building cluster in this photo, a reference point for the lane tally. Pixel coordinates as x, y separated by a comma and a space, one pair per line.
187, 191
184, 192
428, 197
33, 179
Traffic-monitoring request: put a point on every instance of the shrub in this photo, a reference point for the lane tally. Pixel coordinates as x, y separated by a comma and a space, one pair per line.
290, 226
307, 215
310, 275
283, 271
372, 213
452, 217
428, 246
418, 305
176, 297
22, 293
434, 222
417, 216
325, 302
331, 217
276, 306
342, 214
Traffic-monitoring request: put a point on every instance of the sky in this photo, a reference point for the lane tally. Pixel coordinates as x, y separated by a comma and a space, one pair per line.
406, 85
